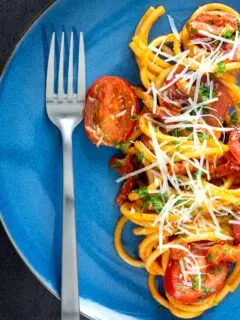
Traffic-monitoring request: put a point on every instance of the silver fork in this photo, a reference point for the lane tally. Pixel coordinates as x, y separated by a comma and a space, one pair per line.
65, 110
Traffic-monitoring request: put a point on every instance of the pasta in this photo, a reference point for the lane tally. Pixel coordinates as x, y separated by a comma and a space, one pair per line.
183, 199
181, 156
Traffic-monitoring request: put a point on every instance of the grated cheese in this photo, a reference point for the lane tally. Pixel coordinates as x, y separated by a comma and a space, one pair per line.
173, 27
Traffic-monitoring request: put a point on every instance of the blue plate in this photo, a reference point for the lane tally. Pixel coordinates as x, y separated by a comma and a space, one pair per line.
31, 161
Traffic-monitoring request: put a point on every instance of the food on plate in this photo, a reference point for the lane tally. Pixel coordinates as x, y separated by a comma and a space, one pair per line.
179, 138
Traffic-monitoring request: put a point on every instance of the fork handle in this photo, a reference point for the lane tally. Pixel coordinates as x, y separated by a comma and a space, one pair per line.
69, 293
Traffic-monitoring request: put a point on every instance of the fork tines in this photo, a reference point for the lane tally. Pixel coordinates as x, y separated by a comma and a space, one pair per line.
61, 94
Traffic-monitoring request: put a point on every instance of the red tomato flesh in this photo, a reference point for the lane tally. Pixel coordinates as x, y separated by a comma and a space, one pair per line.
221, 106
213, 279
109, 110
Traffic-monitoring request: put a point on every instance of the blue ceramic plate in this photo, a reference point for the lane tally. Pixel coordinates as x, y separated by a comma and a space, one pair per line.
31, 165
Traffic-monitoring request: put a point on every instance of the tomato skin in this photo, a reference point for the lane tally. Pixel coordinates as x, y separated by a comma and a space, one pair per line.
234, 144
221, 106
227, 165
106, 99
122, 166
126, 188
213, 280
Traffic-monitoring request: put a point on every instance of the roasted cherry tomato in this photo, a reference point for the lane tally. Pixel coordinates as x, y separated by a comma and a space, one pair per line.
110, 112
213, 22
213, 279
218, 23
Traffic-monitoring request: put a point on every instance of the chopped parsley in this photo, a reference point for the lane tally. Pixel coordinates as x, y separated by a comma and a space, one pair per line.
203, 136
228, 35
233, 117
160, 308
175, 132
221, 67
181, 201
141, 157
141, 192
118, 163
206, 290
195, 284
204, 92
226, 249
122, 146
177, 144
212, 257
193, 31
156, 201
134, 117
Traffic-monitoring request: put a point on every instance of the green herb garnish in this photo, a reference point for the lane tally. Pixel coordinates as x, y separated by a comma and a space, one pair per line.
123, 147
195, 284
228, 35
134, 116
118, 163
204, 92
160, 308
193, 31
141, 192
203, 136
141, 157
234, 118
221, 67
175, 133
206, 290
212, 257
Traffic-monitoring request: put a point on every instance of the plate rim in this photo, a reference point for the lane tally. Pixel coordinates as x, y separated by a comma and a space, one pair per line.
3, 70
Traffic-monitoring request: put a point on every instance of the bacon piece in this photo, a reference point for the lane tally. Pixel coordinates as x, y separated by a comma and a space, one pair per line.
126, 188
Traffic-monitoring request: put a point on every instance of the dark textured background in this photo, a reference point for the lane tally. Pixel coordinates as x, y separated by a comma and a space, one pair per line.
22, 297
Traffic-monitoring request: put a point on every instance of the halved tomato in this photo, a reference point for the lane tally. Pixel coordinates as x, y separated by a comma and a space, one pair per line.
110, 111
213, 22
212, 280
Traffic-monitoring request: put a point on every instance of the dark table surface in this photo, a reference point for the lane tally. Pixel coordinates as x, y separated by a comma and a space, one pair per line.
22, 297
